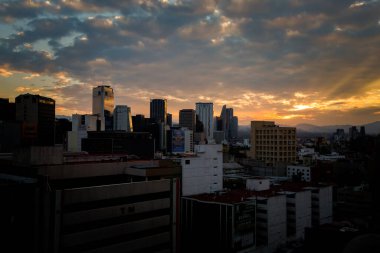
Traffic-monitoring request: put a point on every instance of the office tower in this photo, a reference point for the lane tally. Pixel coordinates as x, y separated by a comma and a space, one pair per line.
229, 123
158, 109
205, 112
272, 144
37, 115
158, 114
353, 133
234, 127
62, 127
187, 118
218, 124
139, 123
122, 118
169, 119
103, 105
362, 131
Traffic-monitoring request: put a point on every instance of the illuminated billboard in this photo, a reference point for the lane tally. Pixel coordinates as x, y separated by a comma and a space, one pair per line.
178, 141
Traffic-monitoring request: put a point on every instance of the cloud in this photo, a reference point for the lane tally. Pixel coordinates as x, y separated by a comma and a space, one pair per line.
286, 60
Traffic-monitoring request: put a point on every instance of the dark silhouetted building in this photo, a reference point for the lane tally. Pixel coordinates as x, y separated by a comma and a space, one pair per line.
158, 108
7, 109
37, 116
169, 119
62, 126
187, 118
119, 142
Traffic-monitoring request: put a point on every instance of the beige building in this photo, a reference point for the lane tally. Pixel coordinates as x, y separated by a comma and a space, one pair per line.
272, 144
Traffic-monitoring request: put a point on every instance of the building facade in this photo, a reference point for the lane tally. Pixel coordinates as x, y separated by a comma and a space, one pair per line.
80, 125
187, 118
158, 110
122, 118
273, 144
103, 105
37, 114
205, 112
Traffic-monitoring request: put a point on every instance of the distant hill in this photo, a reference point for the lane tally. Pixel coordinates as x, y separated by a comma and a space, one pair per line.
309, 129
370, 128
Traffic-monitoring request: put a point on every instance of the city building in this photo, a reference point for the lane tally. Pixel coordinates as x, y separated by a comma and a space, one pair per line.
322, 204
217, 223
158, 115
103, 105
187, 118
202, 172
37, 116
169, 119
140, 123
140, 145
301, 173
10, 129
180, 140
122, 118
234, 127
205, 112
83, 203
158, 110
273, 144
80, 125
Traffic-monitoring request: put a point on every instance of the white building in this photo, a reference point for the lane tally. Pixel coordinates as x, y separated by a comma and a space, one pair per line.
298, 209
80, 125
189, 141
302, 171
205, 112
122, 118
258, 184
203, 172
270, 221
322, 204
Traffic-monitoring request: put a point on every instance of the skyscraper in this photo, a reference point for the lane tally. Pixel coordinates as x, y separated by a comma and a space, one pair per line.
37, 115
229, 123
158, 109
205, 112
103, 105
169, 119
187, 118
122, 118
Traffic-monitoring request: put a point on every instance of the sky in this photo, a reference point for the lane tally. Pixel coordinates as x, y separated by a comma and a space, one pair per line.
291, 61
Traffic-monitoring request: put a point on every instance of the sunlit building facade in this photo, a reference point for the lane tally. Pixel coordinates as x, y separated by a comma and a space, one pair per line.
122, 118
103, 105
273, 144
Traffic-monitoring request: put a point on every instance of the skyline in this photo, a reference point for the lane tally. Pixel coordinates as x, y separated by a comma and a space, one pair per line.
290, 61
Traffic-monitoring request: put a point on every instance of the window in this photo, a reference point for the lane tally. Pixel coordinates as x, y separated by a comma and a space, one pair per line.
187, 161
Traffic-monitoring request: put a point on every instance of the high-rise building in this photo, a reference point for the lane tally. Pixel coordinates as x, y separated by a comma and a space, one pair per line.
234, 128
139, 123
205, 112
7, 109
103, 105
229, 123
169, 119
122, 118
187, 118
37, 115
272, 144
158, 108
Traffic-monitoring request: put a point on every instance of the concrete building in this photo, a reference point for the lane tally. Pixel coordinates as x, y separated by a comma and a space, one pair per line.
37, 115
302, 173
217, 223
80, 125
202, 172
272, 144
229, 123
169, 119
187, 118
322, 205
122, 118
103, 105
205, 112
82, 203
